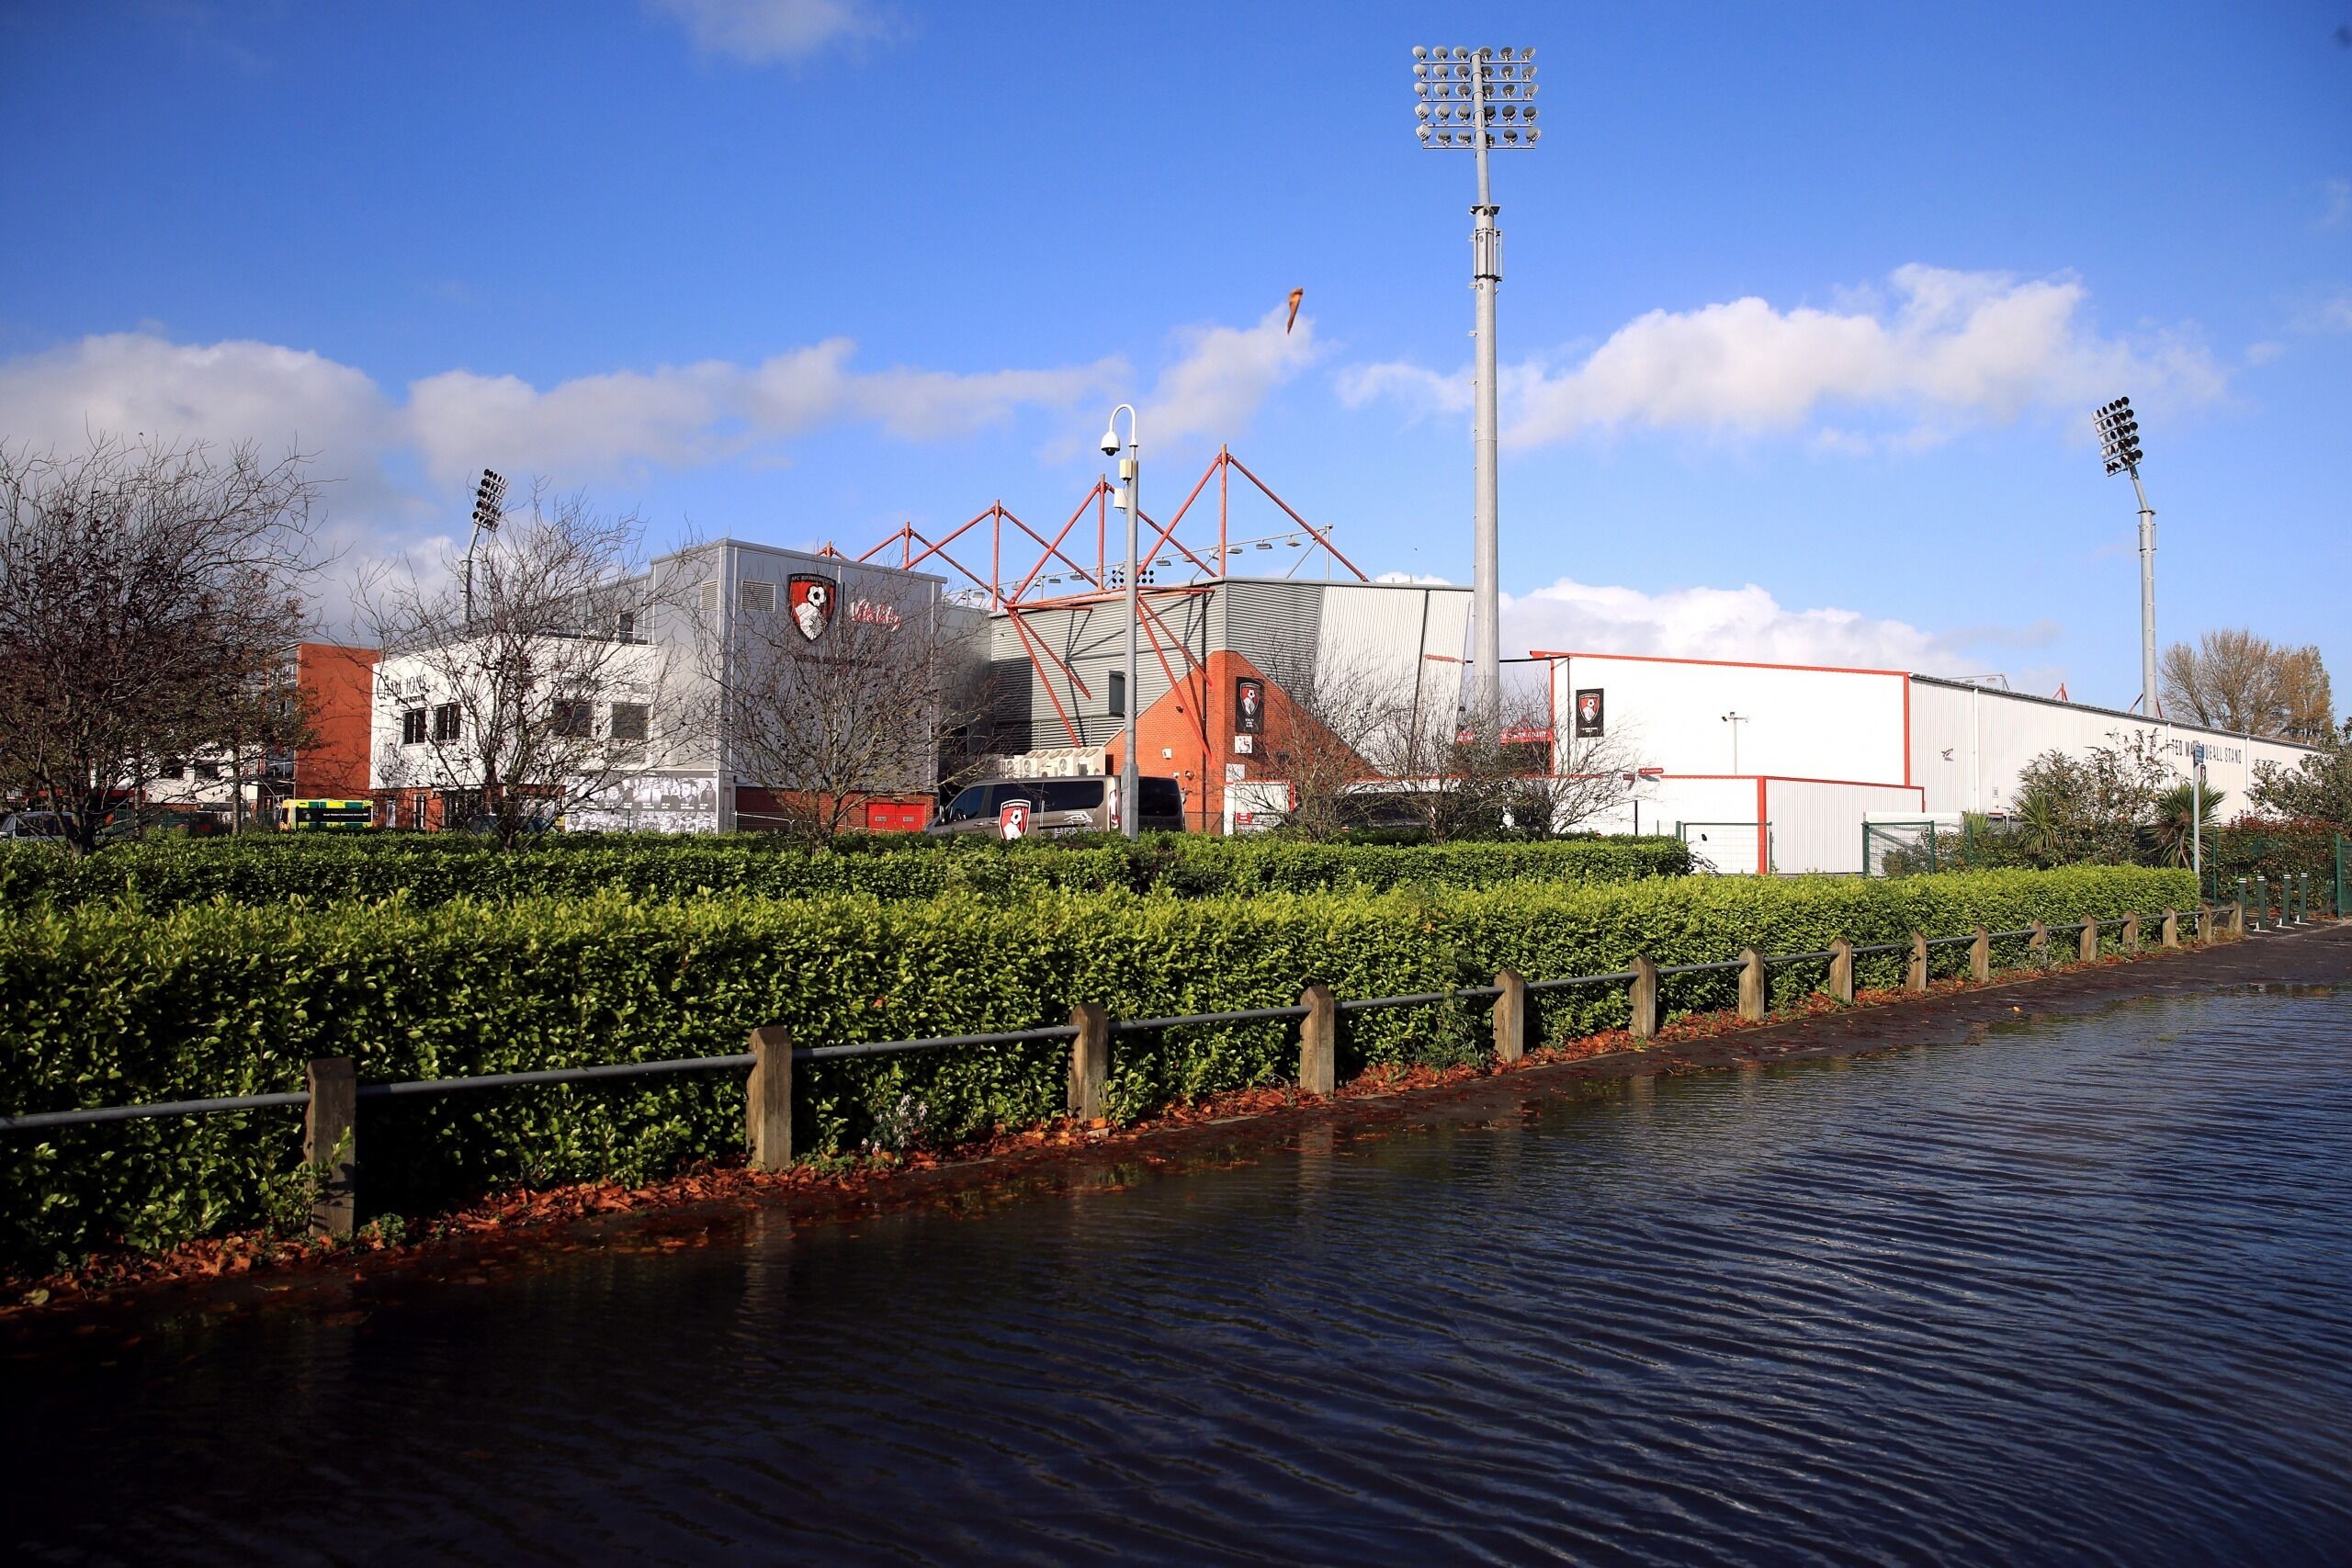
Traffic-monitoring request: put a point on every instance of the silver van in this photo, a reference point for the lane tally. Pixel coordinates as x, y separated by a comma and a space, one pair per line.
1059, 806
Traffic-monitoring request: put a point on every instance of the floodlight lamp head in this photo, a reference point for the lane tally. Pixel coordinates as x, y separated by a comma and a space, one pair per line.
1421, 52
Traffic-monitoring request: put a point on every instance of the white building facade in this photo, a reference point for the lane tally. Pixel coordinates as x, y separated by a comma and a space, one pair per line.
652, 741
1778, 767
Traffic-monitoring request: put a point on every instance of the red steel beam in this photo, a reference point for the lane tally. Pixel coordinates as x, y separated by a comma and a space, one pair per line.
1302, 522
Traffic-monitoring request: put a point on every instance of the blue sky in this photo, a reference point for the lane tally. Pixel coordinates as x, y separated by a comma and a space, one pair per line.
1803, 314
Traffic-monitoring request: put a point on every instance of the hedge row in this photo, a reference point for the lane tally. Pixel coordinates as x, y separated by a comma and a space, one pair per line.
433, 869
106, 1005
2274, 851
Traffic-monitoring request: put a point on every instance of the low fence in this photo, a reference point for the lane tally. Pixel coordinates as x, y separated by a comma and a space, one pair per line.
332, 1095
2286, 900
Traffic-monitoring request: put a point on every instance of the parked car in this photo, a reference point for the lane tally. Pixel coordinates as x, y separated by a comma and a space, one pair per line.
56, 825
1060, 805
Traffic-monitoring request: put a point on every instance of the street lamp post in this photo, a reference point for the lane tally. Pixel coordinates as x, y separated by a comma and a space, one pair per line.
1128, 499
2119, 442
1481, 99
1735, 720
490, 500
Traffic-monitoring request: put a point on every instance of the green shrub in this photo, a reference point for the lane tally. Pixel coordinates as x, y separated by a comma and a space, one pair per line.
112, 1006
434, 868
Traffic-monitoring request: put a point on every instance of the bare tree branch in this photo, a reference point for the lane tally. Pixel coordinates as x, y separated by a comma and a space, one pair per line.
552, 685
150, 596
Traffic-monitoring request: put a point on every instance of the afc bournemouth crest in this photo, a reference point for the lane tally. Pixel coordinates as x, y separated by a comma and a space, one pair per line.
1248, 706
1588, 714
811, 598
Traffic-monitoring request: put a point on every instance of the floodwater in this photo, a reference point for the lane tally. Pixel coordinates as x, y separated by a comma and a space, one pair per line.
2076, 1293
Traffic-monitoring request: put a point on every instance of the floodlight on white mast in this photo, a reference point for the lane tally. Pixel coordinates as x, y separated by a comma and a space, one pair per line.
489, 504
1480, 100
2119, 448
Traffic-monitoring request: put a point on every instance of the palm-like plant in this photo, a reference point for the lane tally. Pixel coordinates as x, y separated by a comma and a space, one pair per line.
2044, 827
2180, 816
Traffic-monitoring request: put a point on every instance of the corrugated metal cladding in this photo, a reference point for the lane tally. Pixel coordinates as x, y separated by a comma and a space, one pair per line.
1991, 735
1091, 639
1275, 626
1288, 630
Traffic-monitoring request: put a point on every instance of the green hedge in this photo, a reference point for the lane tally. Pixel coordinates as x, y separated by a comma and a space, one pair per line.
434, 868
2273, 851
108, 1005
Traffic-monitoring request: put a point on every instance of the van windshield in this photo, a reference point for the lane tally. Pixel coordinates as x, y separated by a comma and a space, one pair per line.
1069, 794
1159, 797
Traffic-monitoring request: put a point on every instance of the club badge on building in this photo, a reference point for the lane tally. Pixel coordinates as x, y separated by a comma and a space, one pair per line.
1588, 713
810, 599
1249, 706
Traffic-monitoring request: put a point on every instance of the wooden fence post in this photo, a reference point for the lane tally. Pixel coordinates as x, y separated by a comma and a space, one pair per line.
1510, 1018
767, 1099
2169, 930
1318, 1042
1643, 995
330, 1138
2237, 920
1751, 984
1916, 979
2039, 945
1090, 1062
1980, 956
2086, 950
1841, 971
2131, 932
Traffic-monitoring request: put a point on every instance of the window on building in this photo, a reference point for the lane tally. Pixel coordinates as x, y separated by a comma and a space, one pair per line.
173, 768
630, 720
624, 626
707, 596
575, 720
755, 598
446, 726
208, 770
1118, 685
411, 726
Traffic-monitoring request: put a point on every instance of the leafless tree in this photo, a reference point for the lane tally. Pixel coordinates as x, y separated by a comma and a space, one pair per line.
148, 589
877, 695
2234, 679
1322, 719
534, 694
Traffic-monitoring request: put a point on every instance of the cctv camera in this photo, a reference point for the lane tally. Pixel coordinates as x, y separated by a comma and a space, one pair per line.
1111, 443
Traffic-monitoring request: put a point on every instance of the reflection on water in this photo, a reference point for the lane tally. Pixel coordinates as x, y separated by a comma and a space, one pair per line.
2074, 1294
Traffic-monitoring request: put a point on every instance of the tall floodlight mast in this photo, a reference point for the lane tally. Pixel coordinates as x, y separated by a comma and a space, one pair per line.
489, 504
1480, 100
2118, 442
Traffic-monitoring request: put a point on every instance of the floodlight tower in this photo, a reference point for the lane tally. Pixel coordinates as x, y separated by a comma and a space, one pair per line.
1482, 100
2119, 442
490, 503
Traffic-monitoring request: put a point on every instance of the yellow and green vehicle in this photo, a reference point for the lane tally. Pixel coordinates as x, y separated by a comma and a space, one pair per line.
325, 816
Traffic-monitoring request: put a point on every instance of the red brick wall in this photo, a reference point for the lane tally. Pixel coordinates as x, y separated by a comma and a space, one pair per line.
339, 687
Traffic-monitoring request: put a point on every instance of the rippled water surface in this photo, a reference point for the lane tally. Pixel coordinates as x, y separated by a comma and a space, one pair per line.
2075, 1294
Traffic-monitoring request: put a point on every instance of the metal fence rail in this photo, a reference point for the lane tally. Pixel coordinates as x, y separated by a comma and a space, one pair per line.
334, 1093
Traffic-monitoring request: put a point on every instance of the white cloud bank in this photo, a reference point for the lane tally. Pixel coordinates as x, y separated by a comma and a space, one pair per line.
1568, 616
1224, 374
768, 33
1934, 351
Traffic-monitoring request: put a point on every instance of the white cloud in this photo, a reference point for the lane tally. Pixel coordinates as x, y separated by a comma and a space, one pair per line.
130, 383
2336, 210
1712, 623
1224, 375
679, 416
766, 32
1939, 351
